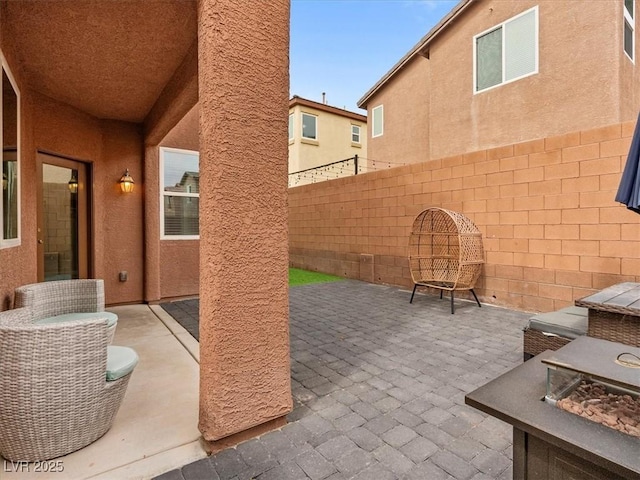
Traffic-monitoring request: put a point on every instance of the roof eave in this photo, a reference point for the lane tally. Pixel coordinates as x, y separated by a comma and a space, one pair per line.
421, 48
305, 102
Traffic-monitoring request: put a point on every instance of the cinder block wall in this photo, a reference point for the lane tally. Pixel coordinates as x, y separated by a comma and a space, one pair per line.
552, 230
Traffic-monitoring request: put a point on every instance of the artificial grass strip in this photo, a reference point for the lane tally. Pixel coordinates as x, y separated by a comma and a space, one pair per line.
304, 277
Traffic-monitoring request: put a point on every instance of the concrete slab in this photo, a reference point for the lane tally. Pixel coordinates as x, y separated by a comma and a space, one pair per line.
183, 336
156, 428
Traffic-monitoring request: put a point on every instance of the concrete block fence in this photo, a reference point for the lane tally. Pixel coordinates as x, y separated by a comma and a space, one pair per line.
552, 230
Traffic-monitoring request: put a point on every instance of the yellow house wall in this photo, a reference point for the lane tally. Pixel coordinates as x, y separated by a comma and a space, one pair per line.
333, 140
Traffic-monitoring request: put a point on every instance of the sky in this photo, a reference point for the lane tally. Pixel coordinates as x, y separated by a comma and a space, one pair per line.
343, 47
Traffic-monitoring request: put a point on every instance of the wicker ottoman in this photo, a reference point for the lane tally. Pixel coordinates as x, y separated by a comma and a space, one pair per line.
552, 330
615, 327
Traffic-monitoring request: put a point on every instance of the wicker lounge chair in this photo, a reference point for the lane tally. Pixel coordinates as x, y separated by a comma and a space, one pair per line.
56, 395
64, 300
445, 252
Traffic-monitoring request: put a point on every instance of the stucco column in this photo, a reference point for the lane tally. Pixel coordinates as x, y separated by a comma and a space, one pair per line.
243, 78
151, 224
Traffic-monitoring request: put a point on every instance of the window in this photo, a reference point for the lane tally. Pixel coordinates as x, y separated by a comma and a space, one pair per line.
629, 28
355, 133
291, 126
377, 122
180, 193
309, 126
10, 199
506, 52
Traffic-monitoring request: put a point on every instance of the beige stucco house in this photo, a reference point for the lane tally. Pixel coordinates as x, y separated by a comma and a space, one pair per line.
493, 73
320, 134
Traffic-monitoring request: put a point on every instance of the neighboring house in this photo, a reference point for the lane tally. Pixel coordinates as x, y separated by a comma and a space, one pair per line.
181, 206
493, 73
94, 89
320, 134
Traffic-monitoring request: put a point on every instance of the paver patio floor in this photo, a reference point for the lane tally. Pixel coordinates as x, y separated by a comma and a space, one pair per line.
378, 387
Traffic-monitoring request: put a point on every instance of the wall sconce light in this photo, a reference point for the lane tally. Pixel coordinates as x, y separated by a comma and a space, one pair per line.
126, 182
73, 183
5, 181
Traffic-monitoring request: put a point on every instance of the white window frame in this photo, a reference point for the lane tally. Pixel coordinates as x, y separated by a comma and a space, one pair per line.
12, 242
163, 194
629, 18
354, 133
379, 108
302, 126
291, 126
501, 26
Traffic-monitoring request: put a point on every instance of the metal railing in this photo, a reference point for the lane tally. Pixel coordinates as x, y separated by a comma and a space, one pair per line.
340, 168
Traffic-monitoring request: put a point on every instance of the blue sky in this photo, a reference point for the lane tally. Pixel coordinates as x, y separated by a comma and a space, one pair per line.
343, 47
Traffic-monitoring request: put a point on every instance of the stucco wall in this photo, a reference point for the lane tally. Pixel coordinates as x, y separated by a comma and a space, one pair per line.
179, 258
552, 230
110, 147
17, 264
629, 72
579, 85
406, 107
120, 244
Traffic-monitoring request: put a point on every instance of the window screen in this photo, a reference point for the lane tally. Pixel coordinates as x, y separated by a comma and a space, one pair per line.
628, 39
309, 126
377, 126
507, 52
355, 133
628, 5
291, 126
489, 59
520, 46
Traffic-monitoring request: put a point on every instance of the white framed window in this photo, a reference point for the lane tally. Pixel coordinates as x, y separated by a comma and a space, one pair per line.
506, 52
629, 29
10, 140
291, 126
377, 121
309, 126
355, 133
179, 194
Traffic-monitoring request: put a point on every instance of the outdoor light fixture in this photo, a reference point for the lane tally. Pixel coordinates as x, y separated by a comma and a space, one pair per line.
5, 182
73, 183
126, 182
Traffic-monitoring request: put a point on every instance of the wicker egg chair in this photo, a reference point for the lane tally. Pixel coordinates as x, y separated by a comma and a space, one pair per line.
445, 252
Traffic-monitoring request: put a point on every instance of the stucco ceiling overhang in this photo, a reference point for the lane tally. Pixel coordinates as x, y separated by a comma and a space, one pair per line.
108, 58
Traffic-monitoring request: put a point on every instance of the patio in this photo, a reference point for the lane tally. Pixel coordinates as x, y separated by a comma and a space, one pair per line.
156, 428
378, 387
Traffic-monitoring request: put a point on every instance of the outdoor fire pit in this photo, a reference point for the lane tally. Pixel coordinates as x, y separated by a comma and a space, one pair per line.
603, 388
575, 411
596, 402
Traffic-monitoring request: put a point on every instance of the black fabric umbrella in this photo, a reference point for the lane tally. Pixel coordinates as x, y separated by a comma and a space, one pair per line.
629, 189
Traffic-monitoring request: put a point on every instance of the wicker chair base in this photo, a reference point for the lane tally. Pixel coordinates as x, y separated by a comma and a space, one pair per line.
536, 342
615, 327
56, 432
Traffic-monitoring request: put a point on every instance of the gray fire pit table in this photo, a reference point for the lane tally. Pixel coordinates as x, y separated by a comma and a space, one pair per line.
548, 442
